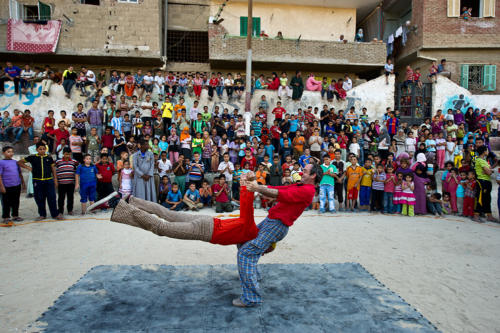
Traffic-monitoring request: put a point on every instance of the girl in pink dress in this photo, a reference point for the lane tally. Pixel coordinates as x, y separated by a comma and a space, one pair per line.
398, 193
453, 179
125, 179
407, 197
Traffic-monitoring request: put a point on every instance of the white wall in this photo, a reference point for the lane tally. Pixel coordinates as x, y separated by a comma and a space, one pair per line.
375, 95
446, 94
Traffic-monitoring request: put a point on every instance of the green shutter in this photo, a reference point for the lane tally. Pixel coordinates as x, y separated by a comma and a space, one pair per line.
490, 77
44, 11
464, 76
256, 26
243, 25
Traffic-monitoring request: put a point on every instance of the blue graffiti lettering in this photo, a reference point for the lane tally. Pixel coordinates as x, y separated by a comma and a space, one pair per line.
29, 97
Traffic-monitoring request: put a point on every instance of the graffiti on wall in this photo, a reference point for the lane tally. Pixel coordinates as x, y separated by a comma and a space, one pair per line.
458, 102
25, 99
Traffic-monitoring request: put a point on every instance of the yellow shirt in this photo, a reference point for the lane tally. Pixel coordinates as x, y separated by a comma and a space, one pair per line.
167, 109
366, 180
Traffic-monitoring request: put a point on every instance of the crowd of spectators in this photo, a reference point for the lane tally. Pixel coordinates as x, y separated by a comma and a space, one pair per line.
157, 149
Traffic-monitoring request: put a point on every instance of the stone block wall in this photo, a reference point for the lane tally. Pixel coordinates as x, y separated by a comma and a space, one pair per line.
110, 29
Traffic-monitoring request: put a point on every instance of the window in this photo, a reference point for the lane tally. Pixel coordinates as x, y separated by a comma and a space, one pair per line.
480, 8
244, 26
40, 12
30, 13
90, 2
478, 78
187, 46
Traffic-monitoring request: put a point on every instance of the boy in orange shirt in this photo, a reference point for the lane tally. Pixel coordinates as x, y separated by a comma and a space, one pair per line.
298, 145
354, 173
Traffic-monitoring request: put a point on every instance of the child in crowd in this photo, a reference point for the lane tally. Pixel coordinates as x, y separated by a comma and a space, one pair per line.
125, 177
378, 183
389, 188
174, 199
206, 194
407, 197
354, 173
106, 169
366, 185
86, 181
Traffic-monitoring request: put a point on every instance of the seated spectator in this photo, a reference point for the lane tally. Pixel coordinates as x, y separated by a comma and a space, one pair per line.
174, 201
192, 198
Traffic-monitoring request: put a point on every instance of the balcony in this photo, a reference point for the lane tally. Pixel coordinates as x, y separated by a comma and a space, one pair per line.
227, 51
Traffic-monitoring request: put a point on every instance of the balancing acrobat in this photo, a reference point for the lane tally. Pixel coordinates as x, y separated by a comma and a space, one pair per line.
255, 241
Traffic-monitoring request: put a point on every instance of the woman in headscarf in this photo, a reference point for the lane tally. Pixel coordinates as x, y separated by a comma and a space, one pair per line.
420, 180
297, 86
359, 36
420, 160
173, 146
470, 120
312, 84
400, 139
185, 140
383, 144
274, 82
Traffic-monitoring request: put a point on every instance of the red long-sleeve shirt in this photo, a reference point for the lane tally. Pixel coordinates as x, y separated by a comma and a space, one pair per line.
237, 230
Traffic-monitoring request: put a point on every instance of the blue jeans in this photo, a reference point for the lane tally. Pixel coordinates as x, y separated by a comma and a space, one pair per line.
45, 191
364, 195
270, 231
178, 208
326, 195
68, 85
434, 207
181, 89
388, 204
219, 90
20, 131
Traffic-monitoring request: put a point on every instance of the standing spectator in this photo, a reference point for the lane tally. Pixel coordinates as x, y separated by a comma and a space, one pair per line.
43, 170
226, 167
95, 117
104, 177
222, 199
180, 171
69, 80
75, 144
79, 119
389, 69
86, 180
11, 73
327, 186
315, 142
297, 86
144, 166
392, 125
11, 183
483, 192
65, 172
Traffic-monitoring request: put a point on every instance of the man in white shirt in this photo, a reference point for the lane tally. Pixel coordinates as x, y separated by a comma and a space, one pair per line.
148, 82
26, 78
193, 112
347, 85
164, 165
146, 107
159, 83
226, 167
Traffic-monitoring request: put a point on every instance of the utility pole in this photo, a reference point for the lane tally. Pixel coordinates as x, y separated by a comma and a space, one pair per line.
248, 85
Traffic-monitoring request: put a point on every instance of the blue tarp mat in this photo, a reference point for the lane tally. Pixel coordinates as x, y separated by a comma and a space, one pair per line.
297, 298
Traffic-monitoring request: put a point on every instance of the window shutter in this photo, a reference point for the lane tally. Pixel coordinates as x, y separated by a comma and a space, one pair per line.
256, 26
490, 77
243, 25
488, 8
464, 76
15, 10
44, 11
453, 8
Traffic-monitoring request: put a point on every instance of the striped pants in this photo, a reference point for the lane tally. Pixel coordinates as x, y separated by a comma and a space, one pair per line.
270, 231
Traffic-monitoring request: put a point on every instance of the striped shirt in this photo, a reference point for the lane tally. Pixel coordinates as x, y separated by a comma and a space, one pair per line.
378, 184
65, 171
